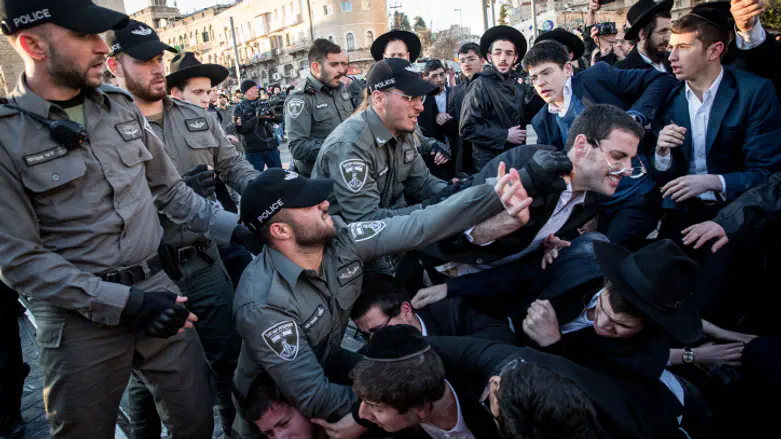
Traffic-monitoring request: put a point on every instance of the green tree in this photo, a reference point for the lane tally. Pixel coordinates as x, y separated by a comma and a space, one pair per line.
424, 33
771, 19
504, 12
401, 21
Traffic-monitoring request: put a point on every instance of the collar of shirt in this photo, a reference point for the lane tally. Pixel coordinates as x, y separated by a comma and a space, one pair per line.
317, 85
567, 92
288, 269
710, 93
660, 66
381, 133
460, 427
566, 199
423, 329
27, 100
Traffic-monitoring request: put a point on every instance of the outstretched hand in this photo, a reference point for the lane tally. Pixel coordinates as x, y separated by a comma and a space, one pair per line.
514, 198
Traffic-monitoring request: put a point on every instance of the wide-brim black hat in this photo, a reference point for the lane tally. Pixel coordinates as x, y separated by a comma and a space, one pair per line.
410, 40
185, 66
659, 280
641, 12
573, 43
503, 33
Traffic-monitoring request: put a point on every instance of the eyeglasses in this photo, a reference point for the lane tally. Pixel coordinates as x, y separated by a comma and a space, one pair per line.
368, 335
408, 97
634, 172
485, 398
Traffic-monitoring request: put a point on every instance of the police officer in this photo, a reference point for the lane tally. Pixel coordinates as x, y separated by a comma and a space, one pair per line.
293, 302
194, 141
315, 109
85, 177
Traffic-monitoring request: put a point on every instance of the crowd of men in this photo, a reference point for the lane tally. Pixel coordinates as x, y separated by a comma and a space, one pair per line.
609, 280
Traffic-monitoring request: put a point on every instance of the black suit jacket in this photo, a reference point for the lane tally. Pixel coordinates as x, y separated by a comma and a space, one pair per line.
458, 248
756, 60
453, 317
627, 407
427, 120
463, 148
633, 60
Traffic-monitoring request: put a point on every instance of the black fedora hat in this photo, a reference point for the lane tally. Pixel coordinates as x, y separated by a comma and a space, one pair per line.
641, 13
410, 40
659, 280
568, 39
502, 32
185, 66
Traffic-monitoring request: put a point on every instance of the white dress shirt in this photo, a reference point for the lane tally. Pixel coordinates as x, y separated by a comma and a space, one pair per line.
567, 92
699, 114
441, 99
423, 330
460, 431
751, 39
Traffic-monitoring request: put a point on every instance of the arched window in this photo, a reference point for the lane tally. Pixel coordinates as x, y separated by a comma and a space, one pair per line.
369, 38
350, 37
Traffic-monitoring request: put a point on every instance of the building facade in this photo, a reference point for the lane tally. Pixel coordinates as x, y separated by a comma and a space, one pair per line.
272, 36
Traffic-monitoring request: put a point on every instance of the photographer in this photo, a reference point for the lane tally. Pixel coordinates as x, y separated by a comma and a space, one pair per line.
253, 119
599, 38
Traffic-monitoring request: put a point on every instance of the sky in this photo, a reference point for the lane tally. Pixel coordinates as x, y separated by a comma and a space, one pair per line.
439, 14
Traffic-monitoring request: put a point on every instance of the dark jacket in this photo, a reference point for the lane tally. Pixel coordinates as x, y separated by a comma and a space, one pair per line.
494, 103
427, 120
638, 91
462, 148
627, 407
754, 210
743, 140
633, 60
756, 60
453, 317
258, 133
459, 249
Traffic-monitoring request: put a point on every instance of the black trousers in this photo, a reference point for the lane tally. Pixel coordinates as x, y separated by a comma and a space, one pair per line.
717, 286
12, 369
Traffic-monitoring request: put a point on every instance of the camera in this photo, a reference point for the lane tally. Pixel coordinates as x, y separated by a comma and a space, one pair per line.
263, 109
608, 28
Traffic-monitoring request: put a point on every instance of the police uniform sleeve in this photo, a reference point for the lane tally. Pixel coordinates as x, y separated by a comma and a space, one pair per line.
177, 201
355, 189
298, 123
230, 166
425, 226
475, 126
277, 344
31, 269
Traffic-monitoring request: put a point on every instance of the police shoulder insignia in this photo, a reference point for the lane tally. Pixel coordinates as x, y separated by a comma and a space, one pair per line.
129, 130
294, 107
354, 173
282, 338
197, 124
409, 155
314, 317
349, 273
361, 231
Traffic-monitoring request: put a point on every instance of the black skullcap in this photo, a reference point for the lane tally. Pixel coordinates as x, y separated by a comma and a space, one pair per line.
246, 85
396, 343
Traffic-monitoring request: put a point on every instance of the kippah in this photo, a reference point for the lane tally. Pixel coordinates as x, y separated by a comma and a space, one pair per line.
713, 16
396, 343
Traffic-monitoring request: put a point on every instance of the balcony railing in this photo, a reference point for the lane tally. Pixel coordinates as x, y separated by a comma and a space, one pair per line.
299, 46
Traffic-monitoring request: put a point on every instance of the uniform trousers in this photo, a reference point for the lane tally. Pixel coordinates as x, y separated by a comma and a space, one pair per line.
209, 294
86, 367
12, 368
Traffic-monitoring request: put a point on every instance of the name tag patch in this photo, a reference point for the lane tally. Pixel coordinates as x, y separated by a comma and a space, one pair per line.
45, 156
349, 273
323, 105
130, 130
314, 318
197, 124
384, 171
409, 155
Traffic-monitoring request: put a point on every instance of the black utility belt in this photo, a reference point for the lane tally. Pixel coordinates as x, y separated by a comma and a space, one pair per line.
133, 275
189, 252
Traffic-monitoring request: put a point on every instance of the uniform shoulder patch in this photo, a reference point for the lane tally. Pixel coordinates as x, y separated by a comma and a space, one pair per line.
130, 130
294, 107
409, 155
197, 124
349, 273
354, 173
282, 338
361, 231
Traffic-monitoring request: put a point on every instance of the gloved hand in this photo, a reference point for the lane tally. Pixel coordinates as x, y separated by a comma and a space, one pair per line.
242, 236
442, 148
154, 312
202, 180
543, 173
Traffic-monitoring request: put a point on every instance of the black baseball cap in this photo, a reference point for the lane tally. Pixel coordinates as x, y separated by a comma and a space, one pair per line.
276, 189
137, 40
76, 15
399, 74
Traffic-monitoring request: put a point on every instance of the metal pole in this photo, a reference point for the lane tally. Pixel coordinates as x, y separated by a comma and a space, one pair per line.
485, 14
493, 15
461, 20
235, 51
534, 21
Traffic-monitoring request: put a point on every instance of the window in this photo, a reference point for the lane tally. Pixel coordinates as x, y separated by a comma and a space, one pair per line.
369, 38
205, 36
347, 5
287, 39
328, 10
350, 41
367, 4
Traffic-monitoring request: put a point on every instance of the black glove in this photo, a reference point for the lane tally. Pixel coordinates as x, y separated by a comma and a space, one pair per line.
201, 180
154, 312
443, 148
542, 175
242, 236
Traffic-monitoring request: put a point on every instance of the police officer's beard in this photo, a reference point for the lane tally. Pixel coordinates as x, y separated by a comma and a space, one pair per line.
141, 91
311, 236
326, 78
66, 73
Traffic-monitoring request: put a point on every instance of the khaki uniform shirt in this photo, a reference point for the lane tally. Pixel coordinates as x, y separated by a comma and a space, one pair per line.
371, 170
291, 320
68, 215
312, 112
192, 137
